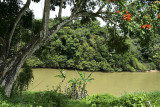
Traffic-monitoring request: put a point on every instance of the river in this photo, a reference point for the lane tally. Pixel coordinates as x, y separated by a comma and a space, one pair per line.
114, 83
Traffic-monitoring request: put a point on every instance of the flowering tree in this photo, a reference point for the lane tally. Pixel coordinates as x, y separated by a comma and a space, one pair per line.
134, 18
139, 19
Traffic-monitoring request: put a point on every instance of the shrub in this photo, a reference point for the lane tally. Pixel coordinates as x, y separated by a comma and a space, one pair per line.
34, 61
23, 79
70, 63
131, 100
154, 98
137, 65
129, 68
49, 99
105, 66
150, 66
100, 100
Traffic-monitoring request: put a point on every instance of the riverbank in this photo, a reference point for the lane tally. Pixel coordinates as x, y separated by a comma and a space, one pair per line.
153, 71
53, 99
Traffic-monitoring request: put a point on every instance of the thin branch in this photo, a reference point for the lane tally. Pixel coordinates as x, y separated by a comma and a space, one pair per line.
105, 12
100, 9
100, 16
2, 41
77, 7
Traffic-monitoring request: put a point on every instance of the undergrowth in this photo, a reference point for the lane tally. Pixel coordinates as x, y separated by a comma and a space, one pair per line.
54, 99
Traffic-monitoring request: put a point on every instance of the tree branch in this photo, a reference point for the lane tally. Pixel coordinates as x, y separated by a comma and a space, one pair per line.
77, 7
2, 41
12, 27
100, 9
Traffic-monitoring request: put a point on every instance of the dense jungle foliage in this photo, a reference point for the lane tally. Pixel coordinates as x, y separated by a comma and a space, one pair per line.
87, 47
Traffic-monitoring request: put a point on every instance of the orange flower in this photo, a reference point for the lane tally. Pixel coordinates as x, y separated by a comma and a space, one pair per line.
126, 12
159, 16
118, 12
148, 26
129, 18
154, 2
124, 18
143, 26
128, 15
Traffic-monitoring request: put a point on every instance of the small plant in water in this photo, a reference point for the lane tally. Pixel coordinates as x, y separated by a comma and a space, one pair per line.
77, 89
62, 76
77, 86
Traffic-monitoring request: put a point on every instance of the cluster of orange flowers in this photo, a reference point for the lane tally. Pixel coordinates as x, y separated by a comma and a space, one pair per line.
146, 26
156, 2
127, 16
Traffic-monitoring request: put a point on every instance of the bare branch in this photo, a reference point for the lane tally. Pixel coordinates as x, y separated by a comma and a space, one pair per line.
2, 42
100, 9
77, 7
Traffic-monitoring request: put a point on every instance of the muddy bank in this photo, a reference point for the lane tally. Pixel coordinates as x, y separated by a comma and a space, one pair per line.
152, 71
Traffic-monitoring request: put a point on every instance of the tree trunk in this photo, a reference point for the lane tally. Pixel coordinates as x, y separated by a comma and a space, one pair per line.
11, 69
7, 40
11, 76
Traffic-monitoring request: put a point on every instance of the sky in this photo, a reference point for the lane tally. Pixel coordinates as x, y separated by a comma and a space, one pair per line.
38, 11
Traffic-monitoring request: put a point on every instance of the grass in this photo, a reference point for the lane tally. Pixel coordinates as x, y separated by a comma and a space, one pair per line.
53, 99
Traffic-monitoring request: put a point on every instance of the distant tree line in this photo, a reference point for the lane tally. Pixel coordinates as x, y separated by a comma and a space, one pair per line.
89, 47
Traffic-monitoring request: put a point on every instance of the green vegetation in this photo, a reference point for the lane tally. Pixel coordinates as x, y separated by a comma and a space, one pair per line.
77, 89
54, 99
23, 80
89, 47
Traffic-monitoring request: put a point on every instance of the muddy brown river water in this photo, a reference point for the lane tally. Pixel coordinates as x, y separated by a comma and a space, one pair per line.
113, 83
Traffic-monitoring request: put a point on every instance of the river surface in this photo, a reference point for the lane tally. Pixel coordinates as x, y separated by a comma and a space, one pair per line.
114, 83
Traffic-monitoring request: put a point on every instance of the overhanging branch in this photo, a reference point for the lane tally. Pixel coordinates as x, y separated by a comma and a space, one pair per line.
77, 7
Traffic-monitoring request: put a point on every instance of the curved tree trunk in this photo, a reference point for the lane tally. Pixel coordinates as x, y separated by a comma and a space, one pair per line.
11, 70
7, 40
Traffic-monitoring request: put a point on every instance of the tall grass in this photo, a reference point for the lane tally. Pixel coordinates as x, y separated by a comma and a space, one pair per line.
54, 99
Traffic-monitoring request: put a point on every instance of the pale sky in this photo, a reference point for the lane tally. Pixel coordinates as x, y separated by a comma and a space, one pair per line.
38, 11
